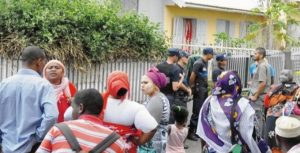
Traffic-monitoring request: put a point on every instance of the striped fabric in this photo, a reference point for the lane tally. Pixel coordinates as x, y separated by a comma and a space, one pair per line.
88, 134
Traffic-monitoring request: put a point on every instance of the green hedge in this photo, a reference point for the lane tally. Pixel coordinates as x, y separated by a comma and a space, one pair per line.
78, 30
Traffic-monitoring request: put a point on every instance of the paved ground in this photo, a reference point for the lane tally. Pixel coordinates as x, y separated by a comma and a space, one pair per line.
194, 146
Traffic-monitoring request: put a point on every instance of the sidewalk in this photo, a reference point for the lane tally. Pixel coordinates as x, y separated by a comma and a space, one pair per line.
194, 146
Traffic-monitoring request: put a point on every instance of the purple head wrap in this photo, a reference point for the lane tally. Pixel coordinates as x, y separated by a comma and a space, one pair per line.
229, 83
158, 78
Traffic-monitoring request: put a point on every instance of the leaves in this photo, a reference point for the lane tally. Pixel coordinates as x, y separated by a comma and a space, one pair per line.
278, 16
79, 30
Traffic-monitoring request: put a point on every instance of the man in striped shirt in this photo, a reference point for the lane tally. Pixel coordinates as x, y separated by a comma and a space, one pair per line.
87, 129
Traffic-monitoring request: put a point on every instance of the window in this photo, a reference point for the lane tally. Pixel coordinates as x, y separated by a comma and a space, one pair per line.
226, 26
189, 31
244, 28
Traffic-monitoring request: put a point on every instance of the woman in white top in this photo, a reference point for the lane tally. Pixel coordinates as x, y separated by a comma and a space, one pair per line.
128, 118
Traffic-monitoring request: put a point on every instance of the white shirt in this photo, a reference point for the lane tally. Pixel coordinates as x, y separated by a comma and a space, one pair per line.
129, 113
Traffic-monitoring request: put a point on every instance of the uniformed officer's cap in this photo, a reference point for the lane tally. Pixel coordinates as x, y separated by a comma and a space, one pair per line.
173, 51
183, 54
207, 51
221, 57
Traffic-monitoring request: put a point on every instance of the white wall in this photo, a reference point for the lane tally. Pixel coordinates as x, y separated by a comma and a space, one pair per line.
154, 9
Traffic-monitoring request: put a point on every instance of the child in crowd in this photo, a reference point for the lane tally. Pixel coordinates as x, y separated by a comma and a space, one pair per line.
178, 131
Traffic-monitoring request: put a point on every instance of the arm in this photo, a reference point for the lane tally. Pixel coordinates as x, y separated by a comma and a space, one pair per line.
192, 79
47, 143
49, 109
193, 76
145, 137
177, 79
147, 124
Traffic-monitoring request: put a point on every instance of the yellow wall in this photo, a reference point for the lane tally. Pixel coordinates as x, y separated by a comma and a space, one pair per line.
210, 15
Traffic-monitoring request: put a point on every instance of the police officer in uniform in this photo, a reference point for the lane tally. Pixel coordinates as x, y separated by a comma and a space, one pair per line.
199, 85
222, 63
184, 91
175, 79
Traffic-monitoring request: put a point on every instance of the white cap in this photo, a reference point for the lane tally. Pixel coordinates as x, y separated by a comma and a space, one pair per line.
287, 127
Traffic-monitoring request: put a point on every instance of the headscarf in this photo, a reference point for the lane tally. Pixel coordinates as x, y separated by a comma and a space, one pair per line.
115, 81
63, 87
215, 114
228, 83
158, 78
228, 88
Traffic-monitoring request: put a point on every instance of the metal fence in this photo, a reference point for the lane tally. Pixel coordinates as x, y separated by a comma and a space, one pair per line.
94, 75
240, 59
295, 63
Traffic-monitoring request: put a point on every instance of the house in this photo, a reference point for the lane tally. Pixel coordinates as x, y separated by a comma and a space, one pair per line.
197, 21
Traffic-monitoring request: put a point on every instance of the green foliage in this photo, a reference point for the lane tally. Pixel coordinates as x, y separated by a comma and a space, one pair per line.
225, 40
278, 16
78, 30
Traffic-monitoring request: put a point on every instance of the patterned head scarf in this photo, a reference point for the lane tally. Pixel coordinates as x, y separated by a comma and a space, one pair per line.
229, 84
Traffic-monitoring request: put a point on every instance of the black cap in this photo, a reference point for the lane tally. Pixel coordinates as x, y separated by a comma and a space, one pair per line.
221, 57
173, 51
208, 50
184, 54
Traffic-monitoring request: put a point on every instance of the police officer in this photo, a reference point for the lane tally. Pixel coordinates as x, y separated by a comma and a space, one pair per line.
175, 79
184, 91
199, 85
222, 63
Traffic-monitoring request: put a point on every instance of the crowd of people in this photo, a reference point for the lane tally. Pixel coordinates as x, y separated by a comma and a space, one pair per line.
42, 111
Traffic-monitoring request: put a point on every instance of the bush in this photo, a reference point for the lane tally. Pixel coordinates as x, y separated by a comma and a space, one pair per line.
78, 30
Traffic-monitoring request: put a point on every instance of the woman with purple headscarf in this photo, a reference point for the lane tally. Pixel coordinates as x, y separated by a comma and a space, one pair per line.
158, 106
224, 111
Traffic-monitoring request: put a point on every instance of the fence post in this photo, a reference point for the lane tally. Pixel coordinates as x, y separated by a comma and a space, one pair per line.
246, 72
288, 62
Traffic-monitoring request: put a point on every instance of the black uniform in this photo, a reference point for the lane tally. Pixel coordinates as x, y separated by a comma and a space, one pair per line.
200, 90
216, 72
181, 96
172, 73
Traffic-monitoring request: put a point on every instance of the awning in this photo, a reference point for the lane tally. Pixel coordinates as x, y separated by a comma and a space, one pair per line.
239, 6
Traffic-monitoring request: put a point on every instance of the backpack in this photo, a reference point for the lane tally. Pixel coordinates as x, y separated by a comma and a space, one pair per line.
192, 59
72, 141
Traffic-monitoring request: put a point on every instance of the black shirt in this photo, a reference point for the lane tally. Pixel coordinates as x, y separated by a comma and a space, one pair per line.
185, 81
200, 69
216, 73
172, 73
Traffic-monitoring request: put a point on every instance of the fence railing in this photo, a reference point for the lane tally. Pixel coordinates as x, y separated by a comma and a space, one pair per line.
94, 75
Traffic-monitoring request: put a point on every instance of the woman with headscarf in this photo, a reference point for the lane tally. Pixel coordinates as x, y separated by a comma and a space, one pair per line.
54, 71
277, 97
226, 112
129, 119
158, 106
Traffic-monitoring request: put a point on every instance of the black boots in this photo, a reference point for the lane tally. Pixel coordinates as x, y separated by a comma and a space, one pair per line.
192, 136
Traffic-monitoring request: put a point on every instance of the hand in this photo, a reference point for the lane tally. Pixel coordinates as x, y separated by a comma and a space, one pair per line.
189, 92
253, 98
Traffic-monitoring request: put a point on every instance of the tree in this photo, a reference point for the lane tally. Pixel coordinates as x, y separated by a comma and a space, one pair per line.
278, 15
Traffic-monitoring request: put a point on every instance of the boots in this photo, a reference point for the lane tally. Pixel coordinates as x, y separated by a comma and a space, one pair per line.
191, 135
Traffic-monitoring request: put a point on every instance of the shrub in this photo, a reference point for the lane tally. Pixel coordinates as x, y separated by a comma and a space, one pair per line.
78, 31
